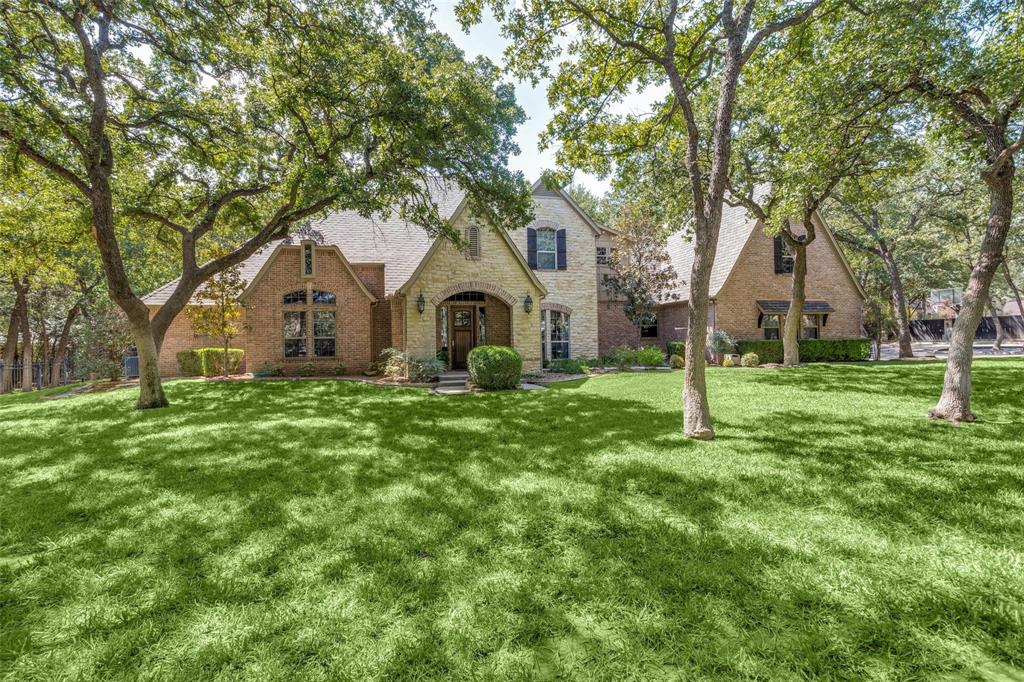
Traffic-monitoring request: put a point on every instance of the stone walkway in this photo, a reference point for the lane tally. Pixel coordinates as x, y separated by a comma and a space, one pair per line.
453, 383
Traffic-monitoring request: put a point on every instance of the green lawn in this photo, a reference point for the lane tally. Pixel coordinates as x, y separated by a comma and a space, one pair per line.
332, 530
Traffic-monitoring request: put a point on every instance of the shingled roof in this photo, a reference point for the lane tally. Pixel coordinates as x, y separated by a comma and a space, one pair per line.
737, 226
397, 243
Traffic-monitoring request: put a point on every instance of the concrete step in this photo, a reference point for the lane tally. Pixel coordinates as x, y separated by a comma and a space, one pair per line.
452, 390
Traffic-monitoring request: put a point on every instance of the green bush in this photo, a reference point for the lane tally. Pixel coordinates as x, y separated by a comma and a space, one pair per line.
651, 356
677, 348
494, 367
728, 362
425, 370
622, 357
811, 350
269, 370
307, 369
339, 369
750, 360
394, 364
721, 343
569, 366
209, 362
677, 362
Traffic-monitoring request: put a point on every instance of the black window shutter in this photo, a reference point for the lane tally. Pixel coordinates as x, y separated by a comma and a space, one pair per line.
531, 247
560, 247
779, 267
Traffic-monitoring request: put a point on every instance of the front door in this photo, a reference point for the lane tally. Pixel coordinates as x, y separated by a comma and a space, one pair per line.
462, 335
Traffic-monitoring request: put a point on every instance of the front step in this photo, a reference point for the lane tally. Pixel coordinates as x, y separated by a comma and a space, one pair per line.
453, 383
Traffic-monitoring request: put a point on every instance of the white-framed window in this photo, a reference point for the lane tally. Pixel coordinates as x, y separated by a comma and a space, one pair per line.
295, 334
772, 325
547, 247
555, 334
324, 333
602, 255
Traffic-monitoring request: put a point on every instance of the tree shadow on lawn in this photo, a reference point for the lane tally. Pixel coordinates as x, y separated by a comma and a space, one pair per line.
329, 528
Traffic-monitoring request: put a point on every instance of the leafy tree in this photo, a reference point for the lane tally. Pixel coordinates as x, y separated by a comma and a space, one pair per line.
799, 136
967, 67
102, 341
228, 123
644, 276
602, 208
219, 313
695, 52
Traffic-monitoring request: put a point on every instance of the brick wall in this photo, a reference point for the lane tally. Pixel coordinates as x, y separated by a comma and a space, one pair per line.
265, 311
754, 278
180, 337
614, 328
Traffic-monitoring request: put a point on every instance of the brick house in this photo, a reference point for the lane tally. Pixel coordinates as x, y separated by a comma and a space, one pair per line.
345, 287
750, 288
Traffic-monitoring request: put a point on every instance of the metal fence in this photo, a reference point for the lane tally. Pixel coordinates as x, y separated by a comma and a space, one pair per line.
938, 330
65, 374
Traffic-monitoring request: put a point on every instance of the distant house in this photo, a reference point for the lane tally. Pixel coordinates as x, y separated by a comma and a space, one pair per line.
751, 285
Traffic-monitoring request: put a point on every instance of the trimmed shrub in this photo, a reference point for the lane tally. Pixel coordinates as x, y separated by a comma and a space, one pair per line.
569, 366
651, 356
307, 369
209, 362
750, 360
811, 350
677, 348
339, 369
269, 370
677, 362
622, 357
494, 367
728, 362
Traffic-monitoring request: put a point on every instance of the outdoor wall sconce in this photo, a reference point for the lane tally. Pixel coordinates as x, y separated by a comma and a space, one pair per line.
421, 303
528, 303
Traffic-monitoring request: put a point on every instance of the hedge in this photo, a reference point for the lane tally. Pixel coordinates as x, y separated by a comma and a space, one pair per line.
677, 348
811, 350
494, 366
209, 361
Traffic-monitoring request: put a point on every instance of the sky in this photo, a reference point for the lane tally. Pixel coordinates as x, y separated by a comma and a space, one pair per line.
485, 39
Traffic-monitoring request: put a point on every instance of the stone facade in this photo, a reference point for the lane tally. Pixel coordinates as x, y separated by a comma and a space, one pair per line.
575, 288
497, 272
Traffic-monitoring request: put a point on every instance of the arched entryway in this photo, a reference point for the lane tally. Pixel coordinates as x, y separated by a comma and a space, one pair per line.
470, 318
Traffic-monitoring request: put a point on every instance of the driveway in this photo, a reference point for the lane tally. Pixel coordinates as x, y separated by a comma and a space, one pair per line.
940, 349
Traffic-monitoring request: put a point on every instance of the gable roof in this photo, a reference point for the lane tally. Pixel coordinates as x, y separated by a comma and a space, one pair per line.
737, 227
542, 189
399, 244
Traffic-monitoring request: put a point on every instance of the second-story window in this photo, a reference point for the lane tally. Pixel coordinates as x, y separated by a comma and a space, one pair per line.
547, 257
602, 255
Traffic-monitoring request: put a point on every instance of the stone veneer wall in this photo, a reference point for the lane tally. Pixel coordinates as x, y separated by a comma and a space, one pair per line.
576, 286
497, 272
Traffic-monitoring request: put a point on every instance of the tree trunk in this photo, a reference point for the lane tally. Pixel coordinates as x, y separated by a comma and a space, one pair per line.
899, 304
11, 343
1014, 289
26, 350
227, 343
997, 345
151, 390
61, 349
696, 412
955, 402
791, 328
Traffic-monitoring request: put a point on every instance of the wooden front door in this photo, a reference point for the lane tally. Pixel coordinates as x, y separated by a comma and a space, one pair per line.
463, 335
